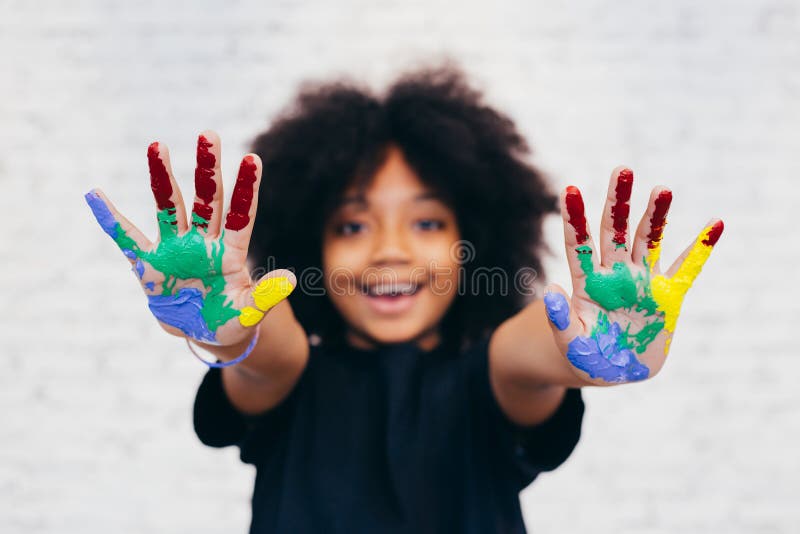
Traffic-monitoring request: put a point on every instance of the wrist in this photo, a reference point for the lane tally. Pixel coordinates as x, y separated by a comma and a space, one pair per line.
227, 355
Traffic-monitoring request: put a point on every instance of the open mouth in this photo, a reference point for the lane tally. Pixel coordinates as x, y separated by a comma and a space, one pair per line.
391, 298
391, 290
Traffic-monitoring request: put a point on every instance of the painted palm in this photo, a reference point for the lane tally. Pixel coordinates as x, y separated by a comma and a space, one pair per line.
195, 277
623, 311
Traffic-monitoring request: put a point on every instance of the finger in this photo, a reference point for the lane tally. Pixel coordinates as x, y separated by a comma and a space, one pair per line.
128, 238
614, 224
272, 288
579, 244
647, 243
208, 195
244, 201
564, 321
171, 212
669, 290
690, 262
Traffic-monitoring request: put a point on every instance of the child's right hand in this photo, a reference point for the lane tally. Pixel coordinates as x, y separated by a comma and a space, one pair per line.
195, 277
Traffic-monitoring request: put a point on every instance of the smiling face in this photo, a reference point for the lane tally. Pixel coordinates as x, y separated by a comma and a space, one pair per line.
390, 260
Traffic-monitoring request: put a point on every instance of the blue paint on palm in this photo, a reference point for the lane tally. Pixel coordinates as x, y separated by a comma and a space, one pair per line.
605, 355
139, 266
557, 309
150, 285
182, 310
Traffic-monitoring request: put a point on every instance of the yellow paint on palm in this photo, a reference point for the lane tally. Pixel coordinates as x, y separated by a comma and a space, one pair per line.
267, 294
669, 292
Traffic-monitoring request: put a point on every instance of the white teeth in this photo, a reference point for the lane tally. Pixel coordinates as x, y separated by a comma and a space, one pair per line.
392, 289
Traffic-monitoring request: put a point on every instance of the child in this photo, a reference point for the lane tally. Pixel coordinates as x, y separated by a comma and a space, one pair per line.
411, 385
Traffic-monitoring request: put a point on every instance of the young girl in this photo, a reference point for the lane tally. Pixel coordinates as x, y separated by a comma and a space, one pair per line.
411, 384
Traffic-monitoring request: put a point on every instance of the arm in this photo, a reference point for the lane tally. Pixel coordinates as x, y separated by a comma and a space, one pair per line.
528, 372
263, 379
617, 325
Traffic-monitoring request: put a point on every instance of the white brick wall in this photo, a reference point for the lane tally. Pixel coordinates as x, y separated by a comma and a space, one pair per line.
95, 432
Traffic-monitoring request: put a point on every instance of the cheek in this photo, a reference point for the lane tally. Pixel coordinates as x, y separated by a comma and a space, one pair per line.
340, 263
444, 277
344, 253
443, 248
445, 255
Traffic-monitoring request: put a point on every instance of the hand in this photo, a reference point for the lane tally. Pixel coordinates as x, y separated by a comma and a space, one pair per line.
619, 323
195, 277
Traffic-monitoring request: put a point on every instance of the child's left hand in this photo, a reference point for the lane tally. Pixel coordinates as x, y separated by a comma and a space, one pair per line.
618, 325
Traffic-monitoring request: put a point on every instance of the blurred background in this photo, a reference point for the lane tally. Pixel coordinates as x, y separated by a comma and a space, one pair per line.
96, 401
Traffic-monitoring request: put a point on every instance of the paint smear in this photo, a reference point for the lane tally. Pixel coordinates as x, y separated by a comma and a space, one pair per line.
204, 184
242, 198
271, 291
575, 210
670, 292
657, 222
183, 311
621, 208
612, 291
101, 212
621, 289
714, 234
108, 223
557, 309
266, 295
159, 179
605, 355
250, 316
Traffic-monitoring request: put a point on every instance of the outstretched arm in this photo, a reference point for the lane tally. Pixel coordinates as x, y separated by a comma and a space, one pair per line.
617, 325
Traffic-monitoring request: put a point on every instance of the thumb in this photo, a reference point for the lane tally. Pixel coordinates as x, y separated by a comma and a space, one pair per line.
270, 289
565, 323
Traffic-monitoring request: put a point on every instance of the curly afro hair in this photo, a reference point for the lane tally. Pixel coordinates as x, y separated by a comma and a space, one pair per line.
335, 135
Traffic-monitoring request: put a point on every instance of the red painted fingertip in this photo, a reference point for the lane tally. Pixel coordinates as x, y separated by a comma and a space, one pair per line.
659, 218
713, 234
621, 208
575, 210
204, 184
159, 178
242, 198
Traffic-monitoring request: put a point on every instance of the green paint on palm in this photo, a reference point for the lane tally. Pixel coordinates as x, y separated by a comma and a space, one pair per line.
648, 334
186, 257
617, 289
637, 341
613, 290
621, 289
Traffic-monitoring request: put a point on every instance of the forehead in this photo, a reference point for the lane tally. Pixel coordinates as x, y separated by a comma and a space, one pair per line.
394, 182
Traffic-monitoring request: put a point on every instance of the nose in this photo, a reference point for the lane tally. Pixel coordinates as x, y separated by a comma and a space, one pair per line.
391, 246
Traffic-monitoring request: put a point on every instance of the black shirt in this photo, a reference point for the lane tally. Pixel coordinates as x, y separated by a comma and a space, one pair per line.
390, 440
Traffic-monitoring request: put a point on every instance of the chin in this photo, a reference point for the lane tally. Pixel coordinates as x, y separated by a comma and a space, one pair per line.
390, 332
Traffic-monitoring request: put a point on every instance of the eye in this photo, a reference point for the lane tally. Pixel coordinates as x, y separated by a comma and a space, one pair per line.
430, 224
349, 228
